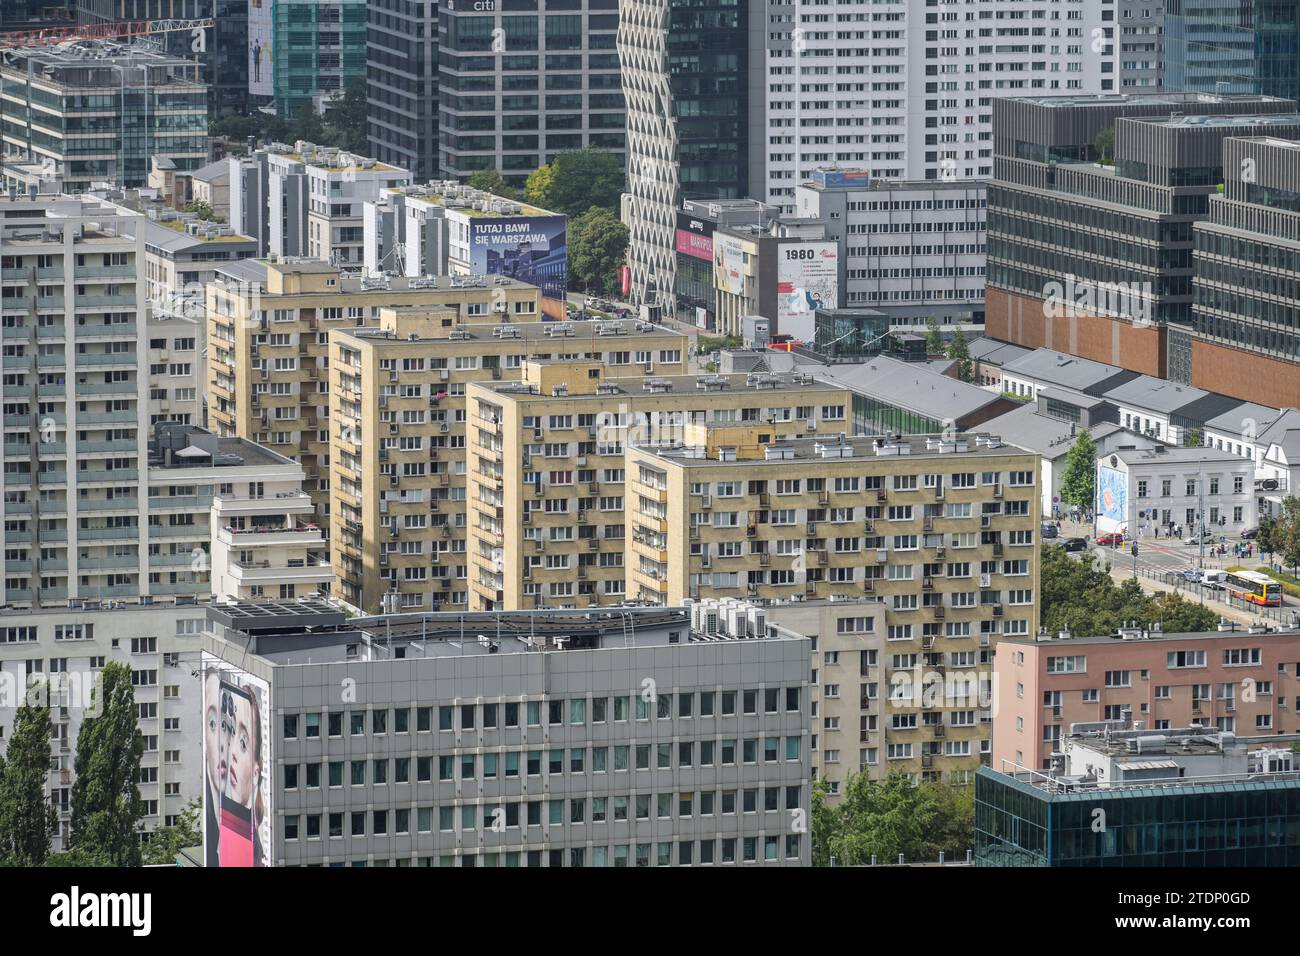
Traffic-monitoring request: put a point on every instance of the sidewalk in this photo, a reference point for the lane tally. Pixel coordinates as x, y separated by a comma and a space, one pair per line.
1150, 585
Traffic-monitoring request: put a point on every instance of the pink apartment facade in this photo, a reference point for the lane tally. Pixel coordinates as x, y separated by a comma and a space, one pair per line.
1237, 681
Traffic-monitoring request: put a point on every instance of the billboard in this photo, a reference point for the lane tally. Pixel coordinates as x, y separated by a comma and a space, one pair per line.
807, 279
1112, 500
236, 766
532, 249
694, 237
261, 76
728, 264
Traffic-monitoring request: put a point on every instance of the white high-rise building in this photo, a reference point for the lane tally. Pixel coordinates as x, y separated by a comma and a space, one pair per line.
904, 89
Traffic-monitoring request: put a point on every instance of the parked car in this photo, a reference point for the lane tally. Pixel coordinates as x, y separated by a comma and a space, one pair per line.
1049, 531
1075, 544
1113, 539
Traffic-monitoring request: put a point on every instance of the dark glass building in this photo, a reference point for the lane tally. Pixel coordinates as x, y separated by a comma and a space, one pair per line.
1091, 254
524, 80
687, 72
402, 85
1245, 334
1223, 823
1247, 46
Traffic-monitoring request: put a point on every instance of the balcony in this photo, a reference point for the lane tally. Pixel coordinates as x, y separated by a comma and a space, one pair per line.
312, 571
270, 535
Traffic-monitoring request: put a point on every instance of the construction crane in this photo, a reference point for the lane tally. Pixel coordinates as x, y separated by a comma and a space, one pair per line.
49, 36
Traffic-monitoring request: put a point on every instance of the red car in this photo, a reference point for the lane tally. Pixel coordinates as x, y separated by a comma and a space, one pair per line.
1114, 539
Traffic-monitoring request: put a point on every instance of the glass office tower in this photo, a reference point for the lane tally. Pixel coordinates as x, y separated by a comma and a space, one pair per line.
1248, 46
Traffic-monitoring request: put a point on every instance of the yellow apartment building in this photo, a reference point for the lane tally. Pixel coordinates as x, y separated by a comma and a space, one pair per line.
548, 509
398, 417
268, 346
905, 557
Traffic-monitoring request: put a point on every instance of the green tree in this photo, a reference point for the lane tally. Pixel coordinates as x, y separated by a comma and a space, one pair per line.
27, 818
200, 208
597, 247
576, 180
1195, 439
885, 818
307, 125
1264, 540
823, 824
1079, 481
933, 337
106, 804
166, 842
345, 123
491, 181
1105, 145
1082, 598
1284, 534
959, 351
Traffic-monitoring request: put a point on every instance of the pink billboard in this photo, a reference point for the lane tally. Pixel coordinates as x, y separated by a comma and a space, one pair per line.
694, 245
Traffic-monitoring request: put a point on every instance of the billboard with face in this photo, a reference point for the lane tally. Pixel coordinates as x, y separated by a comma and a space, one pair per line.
807, 279
532, 249
236, 766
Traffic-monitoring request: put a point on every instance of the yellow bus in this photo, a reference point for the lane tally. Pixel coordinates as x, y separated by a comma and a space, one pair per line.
1254, 587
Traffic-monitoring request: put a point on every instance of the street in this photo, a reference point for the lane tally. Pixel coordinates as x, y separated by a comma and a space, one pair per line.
1156, 556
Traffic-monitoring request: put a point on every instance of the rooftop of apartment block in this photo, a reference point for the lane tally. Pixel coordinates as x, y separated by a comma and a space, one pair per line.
716, 445
463, 198
411, 328
179, 446
255, 272
330, 159
1138, 635
701, 385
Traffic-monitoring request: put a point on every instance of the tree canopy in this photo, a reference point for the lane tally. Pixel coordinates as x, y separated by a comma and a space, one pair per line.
490, 180
884, 818
106, 804
597, 247
1085, 600
27, 818
959, 351
577, 180
1079, 481
933, 337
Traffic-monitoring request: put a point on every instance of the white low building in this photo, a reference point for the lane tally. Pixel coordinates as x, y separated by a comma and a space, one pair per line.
262, 541
1189, 488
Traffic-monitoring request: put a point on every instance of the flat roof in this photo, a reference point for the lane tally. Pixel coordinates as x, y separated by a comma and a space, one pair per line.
608, 333
1211, 119
877, 448
1148, 637
701, 386
1234, 420
1025, 427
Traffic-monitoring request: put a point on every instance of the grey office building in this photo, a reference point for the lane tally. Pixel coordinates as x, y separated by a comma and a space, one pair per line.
1245, 334
518, 85
402, 84
588, 738
1092, 254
